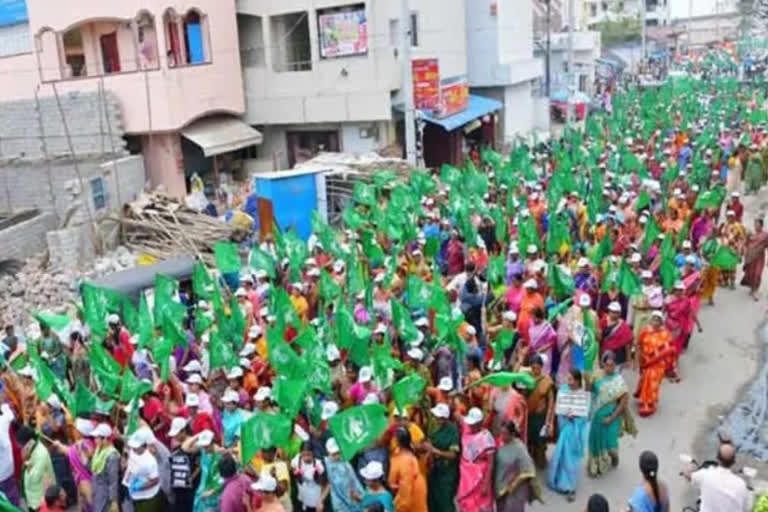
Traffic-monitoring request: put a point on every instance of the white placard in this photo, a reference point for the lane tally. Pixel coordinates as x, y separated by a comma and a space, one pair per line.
573, 402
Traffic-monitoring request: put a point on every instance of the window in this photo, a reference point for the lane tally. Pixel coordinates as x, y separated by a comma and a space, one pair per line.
15, 39
414, 29
174, 54
250, 32
98, 194
193, 38
110, 55
74, 54
592, 10
604, 6
291, 50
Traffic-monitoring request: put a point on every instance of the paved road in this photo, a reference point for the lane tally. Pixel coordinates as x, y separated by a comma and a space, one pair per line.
718, 366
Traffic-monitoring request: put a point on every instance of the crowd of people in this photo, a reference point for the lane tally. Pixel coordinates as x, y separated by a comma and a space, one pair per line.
434, 354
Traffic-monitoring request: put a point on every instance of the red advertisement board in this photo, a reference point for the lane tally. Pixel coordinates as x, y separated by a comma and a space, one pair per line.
454, 98
426, 84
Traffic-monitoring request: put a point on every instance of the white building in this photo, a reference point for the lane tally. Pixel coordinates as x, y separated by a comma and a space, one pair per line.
586, 51
327, 74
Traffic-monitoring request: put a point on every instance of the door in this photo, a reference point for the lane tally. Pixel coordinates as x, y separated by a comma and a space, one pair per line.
110, 56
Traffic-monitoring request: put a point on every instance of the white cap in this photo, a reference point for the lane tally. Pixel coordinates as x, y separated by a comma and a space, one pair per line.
135, 441
474, 416
102, 430
422, 321
730, 212
193, 366
298, 286
254, 331
263, 393
54, 401
248, 349
372, 471
441, 410
416, 353
240, 292
679, 285
371, 398
584, 300
656, 313
244, 362
636, 257
129, 406
646, 274
313, 272
192, 400
27, 371
134, 339
177, 425
532, 284
310, 262
246, 278
471, 330
113, 319
509, 316
331, 446
380, 329
532, 249
365, 374
330, 408
204, 438
260, 274
686, 244
735, 194
332, 353
445, 384
264, 311
690, 259
513, 249
615, 307
338, 265
583, 262
195, 378
231, 396
418, 340
235, 373
85, 427
265, 483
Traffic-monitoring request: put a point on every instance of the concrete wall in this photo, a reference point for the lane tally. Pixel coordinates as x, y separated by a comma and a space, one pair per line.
26, 238
518, 117
177, 95
28, 184
86, 114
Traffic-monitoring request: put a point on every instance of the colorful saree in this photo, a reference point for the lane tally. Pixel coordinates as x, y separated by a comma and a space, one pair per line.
656, 350
514, 475
604, 438
476, 471
543, 338
754, 259
538, 403
444, 474
565, 465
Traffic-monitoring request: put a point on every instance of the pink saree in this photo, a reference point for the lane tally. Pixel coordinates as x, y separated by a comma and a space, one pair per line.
543, 339
679, 321
476, 471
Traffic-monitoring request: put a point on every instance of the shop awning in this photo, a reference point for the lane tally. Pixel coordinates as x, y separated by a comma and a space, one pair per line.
477, 107
221, 134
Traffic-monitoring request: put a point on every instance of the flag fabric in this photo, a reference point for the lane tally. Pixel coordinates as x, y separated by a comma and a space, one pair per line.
503, 379
652, 232
497, 270
202, 283
357, 427
725, 258
227, 257
222, 353
263, 430
364, 194
289, 394
604, 249
629, 282
262, 260
419, 293
561, 282
328, 288
408, 390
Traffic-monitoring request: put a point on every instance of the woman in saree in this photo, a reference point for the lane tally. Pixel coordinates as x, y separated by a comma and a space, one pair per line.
406, 481
565, 466
616, 334
753, 176
655, 349
515, 291
651, 495
542, 338
476, 465
79, 454
692, 281
444, 446
609, 417
680, 324
342, 481
514, 482
732, 234
701, 228
209, 488
754, 258
652, 297
710, 274
508, 404
531, 300
571, 354
541, 412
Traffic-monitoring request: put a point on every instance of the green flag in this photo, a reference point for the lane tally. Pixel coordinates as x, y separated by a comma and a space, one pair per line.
328, 288
262, 260
652, 232
725, 258
560, 282
503, 379
263, 430
497, 270
364, 194
86, 402
227, 257
352, 219
604, 249
161, 352
643, 201
408, 390
236, 323
222, 353
504, 340
7, 506
419, 294
282, 357
202, 283
132, 387
629, 282
358, 427
289, 394
54, 322
590, 342
146, 326
402, 321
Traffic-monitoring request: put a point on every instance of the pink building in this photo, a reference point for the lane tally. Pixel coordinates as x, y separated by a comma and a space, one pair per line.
173, 65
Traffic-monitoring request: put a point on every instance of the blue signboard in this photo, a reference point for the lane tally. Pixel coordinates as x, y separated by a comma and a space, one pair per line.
13, 12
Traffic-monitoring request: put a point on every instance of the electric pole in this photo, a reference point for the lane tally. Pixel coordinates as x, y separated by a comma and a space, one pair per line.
643, 13
571, 63
410, 117
549, 44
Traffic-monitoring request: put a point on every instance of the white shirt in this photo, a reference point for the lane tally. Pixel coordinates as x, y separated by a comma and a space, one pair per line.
721, 490
309, 490
6, 463
143, 467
